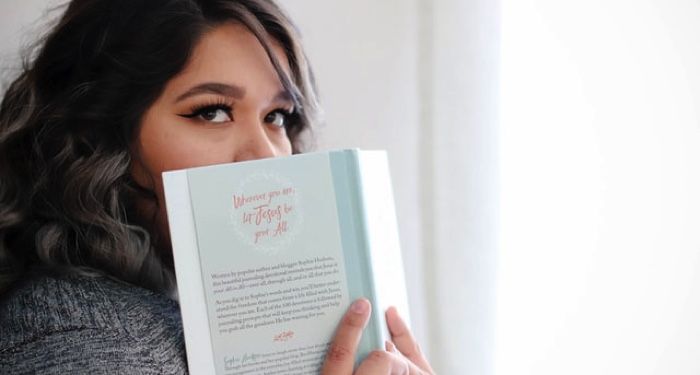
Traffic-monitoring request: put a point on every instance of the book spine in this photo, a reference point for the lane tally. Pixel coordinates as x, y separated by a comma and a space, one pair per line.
352, 217
377, 322
382, 233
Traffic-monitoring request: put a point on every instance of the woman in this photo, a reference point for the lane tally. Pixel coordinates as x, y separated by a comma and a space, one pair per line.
116, 93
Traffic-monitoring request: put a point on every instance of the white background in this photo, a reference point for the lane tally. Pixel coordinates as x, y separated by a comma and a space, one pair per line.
600, 153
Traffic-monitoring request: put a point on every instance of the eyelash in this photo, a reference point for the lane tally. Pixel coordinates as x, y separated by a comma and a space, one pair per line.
200, 109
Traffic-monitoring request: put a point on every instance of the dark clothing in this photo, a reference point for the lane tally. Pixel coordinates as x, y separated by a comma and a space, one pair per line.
88, 325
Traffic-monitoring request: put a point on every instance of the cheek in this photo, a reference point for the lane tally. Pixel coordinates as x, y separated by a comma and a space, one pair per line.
175, 147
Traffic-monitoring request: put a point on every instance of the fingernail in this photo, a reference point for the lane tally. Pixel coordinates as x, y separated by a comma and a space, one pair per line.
396, 313
390, 347
359, 306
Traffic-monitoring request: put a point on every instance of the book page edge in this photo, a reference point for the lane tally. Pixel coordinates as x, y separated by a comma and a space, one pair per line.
195, 321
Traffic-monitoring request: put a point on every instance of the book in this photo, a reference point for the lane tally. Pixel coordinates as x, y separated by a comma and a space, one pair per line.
270, 253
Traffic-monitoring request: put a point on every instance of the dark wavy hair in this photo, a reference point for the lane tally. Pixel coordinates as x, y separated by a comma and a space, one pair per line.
67, 121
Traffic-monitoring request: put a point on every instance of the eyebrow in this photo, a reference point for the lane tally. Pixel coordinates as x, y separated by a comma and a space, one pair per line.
224, 89
214, 88
283, 96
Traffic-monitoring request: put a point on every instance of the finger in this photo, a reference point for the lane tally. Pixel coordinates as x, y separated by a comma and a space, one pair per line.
412, 368
340, 357
380, 362
404, 340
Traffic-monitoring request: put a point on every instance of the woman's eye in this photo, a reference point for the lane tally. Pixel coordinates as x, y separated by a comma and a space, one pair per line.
215, 115
212, 113
277, 118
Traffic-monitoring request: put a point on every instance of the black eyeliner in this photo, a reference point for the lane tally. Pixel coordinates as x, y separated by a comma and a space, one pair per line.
200, 109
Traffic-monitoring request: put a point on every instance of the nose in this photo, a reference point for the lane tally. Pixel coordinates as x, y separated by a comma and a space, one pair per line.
257, 144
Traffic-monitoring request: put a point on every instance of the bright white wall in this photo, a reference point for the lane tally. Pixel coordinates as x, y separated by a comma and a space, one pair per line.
460, 128
600, 149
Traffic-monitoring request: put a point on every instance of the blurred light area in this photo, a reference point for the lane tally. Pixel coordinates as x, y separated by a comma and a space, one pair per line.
599, 268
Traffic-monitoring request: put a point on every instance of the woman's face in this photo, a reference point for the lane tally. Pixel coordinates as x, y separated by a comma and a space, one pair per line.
227, 105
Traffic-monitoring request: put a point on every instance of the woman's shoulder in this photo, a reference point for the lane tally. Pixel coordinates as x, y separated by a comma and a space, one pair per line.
57, 324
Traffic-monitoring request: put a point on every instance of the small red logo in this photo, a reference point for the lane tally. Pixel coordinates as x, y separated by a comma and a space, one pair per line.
283, 336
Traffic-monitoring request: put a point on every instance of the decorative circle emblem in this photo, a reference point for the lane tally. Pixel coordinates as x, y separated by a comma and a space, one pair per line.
265, 212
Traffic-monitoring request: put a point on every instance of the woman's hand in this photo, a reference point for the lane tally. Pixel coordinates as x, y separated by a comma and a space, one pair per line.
402, 354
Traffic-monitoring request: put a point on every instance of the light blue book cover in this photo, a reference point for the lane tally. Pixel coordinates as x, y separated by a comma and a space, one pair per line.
270, 253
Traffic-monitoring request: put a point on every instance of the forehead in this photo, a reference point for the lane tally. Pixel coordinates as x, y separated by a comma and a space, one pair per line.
231, 54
